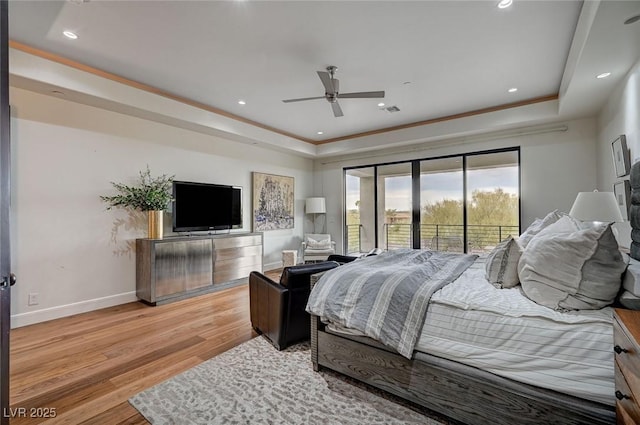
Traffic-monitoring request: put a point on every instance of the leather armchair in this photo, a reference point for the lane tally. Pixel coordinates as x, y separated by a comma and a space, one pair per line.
341, 259
278, 309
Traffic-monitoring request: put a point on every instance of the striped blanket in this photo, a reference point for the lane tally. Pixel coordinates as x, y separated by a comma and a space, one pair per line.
386, 296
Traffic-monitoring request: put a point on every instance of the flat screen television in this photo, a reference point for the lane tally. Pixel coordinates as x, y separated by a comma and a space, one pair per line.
205, 206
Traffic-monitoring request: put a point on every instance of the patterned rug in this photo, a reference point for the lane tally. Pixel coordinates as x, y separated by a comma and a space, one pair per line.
254, 383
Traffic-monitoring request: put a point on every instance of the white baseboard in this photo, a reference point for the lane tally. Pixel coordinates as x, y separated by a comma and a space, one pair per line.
31, 317
272, 266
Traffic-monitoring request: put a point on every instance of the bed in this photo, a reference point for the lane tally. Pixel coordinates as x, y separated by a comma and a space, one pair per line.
485, 355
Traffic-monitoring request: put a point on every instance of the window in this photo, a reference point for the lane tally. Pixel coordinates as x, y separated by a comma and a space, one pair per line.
462, 203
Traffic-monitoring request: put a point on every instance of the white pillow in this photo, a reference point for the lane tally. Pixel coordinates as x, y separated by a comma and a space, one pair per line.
572, 265
538, 225
321, 244
630, 301
631, 279
501, 265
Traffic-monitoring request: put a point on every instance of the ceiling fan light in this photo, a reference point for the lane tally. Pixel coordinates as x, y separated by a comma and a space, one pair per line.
503, 4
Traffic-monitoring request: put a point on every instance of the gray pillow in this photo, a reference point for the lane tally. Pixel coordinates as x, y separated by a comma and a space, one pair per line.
501, 265
572, 265
538, 225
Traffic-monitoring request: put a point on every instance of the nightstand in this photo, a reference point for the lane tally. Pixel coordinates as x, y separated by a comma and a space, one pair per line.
626, 338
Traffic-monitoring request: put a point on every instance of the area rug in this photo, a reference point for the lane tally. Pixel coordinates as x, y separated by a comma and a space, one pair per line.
254, 383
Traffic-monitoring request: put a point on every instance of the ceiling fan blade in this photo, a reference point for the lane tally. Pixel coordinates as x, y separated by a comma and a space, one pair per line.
337, 110
362, 94
303, 98
326, 82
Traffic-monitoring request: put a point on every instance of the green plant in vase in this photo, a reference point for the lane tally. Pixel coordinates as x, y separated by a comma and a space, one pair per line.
151, 194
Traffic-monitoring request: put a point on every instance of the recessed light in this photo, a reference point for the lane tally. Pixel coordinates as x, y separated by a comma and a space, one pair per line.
503, 4
242, 102
320, 132
603, 75
513, 90
70, 34
381, 104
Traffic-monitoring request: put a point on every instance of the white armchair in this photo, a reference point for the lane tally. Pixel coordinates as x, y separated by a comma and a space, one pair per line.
317, 247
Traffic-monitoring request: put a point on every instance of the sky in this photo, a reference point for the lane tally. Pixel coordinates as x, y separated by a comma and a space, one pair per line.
438, 186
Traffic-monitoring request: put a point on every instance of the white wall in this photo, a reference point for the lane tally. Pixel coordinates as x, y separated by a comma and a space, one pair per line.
65, 246
621, 115
79, 257
555, 166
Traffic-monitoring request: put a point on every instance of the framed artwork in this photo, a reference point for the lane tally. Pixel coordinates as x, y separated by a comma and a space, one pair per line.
621, 156
622, 192
272, 202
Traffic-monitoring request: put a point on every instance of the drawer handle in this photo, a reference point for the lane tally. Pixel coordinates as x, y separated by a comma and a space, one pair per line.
621, 396
619, 349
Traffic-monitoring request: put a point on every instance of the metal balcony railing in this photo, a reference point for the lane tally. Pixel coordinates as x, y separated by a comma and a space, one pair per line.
448, 237
354, 238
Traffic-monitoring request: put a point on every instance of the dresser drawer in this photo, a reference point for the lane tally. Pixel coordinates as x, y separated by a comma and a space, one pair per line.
237, 242
627, 358
627, 410
626, 334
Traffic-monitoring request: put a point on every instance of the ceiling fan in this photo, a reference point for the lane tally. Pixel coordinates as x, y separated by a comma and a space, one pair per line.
332, 92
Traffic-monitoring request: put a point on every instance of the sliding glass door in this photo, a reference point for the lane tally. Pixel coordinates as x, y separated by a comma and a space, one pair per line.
461, 203
441, 204
395, 206
493, 201
360, 211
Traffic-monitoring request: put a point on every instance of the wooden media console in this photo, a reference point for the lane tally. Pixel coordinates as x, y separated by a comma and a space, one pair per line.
179, 267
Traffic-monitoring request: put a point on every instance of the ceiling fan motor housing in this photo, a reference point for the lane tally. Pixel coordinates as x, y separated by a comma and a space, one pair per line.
333, 97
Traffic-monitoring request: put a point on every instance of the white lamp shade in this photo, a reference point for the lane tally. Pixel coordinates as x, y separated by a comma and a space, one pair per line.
596, 206
315, 206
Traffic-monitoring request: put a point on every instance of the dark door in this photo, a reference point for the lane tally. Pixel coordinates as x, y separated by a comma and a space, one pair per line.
6, 277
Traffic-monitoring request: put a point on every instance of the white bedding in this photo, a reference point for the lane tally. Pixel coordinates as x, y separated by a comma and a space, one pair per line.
503, 332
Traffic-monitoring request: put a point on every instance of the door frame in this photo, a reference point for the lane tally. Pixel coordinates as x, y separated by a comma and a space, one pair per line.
6, 278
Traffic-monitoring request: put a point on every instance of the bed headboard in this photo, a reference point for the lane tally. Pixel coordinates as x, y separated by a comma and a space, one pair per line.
634, 211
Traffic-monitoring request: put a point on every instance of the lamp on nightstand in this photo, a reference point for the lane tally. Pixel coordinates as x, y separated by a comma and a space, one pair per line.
596, 206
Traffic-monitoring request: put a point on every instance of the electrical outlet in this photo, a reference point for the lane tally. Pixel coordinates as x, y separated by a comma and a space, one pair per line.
34, 298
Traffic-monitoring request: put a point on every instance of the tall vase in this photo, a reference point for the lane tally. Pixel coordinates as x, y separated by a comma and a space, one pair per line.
155, 224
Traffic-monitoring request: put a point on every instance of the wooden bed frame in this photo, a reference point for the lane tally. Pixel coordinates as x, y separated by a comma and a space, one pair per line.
461, 392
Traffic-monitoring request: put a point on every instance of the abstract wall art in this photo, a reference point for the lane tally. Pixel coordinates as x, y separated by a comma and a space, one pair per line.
273, 202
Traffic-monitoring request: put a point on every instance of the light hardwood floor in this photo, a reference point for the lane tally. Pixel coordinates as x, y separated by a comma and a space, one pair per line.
87, 366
